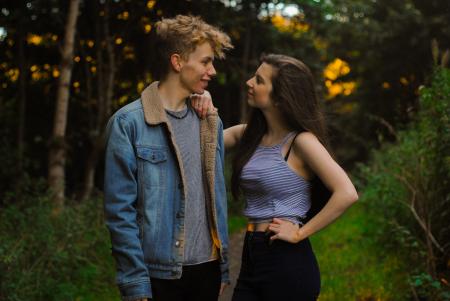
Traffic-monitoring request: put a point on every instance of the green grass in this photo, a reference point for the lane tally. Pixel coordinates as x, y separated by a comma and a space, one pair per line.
354, 265
113, 295
236, 223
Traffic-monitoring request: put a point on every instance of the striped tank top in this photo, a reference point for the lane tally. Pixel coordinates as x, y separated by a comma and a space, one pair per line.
272, 189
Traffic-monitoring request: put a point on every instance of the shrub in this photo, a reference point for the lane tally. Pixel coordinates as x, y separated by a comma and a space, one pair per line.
407, 185
48, 257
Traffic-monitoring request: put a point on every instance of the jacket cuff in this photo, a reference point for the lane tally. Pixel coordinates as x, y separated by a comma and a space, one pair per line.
135, 290
225, 273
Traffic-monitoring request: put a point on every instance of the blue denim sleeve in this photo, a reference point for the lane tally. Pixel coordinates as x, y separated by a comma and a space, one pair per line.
120, 189
220, 142
224, 265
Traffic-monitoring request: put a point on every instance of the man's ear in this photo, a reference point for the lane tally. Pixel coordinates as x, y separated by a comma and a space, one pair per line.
176, 62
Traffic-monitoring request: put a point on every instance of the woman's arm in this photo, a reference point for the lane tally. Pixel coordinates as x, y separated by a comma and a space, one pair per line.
203, 105
317, 158
232, 135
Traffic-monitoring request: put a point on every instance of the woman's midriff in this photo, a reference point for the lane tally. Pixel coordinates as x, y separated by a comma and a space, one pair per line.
257, 227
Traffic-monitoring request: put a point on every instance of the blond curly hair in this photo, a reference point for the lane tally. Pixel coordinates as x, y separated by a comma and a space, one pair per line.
183, 34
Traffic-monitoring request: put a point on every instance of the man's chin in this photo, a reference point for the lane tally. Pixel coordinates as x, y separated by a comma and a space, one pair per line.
199, 90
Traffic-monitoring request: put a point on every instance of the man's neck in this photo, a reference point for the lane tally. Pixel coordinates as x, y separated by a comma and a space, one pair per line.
172, 94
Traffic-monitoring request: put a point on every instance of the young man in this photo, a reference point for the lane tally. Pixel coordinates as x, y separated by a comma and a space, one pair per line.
165, 200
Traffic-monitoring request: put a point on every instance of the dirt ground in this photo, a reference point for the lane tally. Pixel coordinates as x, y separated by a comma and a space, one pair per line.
236, 241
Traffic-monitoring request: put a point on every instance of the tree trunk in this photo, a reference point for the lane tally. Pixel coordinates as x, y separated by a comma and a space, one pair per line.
91, 164
245, 63
57, 154
22, 107
105, 95
111, 68
88, 178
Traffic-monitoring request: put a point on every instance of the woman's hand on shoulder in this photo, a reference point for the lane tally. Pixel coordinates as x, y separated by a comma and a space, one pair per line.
202, 104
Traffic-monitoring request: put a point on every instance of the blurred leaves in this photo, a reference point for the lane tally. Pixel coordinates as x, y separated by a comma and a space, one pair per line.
407, 185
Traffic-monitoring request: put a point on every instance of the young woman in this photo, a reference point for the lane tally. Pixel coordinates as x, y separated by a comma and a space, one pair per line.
279, 153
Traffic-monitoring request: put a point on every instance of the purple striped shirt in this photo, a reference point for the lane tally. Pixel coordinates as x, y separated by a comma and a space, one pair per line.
272, 188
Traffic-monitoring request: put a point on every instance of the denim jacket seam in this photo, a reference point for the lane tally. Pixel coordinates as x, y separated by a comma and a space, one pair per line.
125, 114
135, 297
133, 282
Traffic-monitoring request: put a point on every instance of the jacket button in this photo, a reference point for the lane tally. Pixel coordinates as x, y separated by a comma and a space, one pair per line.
177, 243
180, 215
180, 185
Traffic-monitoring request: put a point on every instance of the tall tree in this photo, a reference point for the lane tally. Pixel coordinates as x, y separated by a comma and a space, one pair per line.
23, 67
106, 70
57, 154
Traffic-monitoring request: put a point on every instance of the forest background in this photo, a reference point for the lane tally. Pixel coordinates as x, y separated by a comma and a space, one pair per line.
381, 71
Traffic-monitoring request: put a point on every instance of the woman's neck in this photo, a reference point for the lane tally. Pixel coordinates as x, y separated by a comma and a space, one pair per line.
276, 126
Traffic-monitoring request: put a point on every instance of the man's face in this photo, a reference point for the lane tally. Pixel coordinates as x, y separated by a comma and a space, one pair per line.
198, 69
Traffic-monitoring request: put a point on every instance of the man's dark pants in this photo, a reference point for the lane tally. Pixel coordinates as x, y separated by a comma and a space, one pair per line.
200, 282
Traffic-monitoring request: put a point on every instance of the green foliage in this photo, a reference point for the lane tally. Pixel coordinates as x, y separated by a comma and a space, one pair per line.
235, 207
386, 43
425, 285
353, 264
44, 256
236, 223
407, 186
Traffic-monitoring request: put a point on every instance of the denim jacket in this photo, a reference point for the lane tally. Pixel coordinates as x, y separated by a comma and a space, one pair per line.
145, 193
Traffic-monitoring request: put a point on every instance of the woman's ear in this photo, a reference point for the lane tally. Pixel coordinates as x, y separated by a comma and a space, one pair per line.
176, 62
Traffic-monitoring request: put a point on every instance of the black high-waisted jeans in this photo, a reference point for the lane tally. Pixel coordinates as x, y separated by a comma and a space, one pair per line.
277, 271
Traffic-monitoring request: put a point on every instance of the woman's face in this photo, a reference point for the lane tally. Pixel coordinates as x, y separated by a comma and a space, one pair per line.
260, 87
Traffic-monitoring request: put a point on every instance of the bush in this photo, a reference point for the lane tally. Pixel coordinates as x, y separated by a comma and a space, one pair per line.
44, 256
407, 185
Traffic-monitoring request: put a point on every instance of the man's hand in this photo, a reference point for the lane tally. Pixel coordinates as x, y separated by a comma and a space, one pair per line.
223, 286
202, 104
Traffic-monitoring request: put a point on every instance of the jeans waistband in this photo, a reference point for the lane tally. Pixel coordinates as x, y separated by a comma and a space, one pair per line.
258, 236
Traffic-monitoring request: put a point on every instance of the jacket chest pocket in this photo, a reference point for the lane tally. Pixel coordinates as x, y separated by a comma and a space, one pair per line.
152, 164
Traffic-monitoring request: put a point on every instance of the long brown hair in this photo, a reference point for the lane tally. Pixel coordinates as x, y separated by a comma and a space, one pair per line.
294, 93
